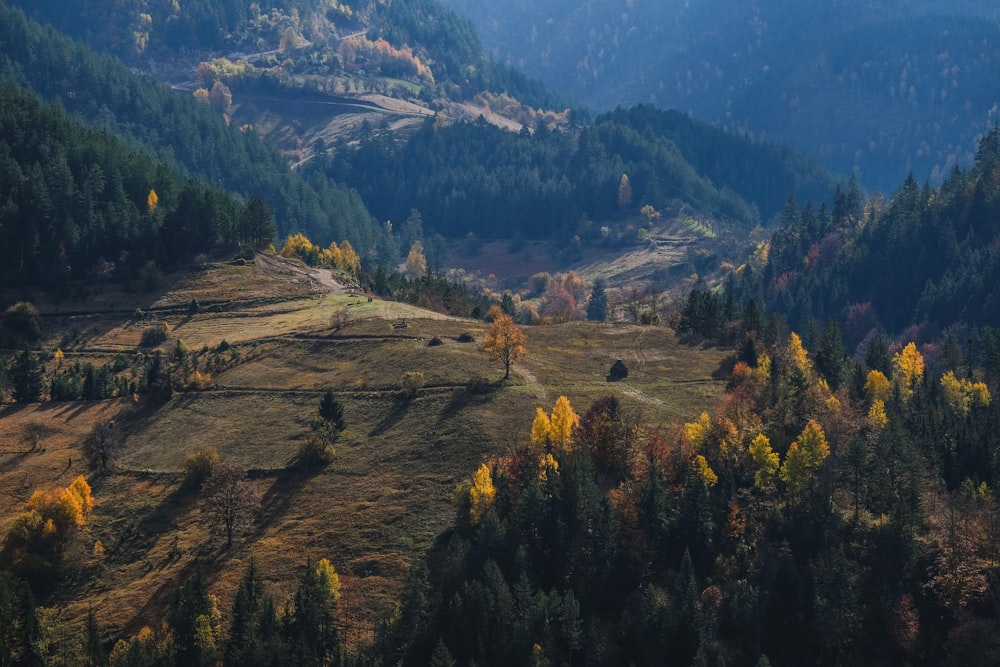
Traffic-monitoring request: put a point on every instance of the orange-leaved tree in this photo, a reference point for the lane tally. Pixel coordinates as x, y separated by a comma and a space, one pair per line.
505, 342
34, 545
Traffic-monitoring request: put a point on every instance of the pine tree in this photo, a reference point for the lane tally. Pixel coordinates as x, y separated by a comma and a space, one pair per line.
597, 306
94, 647
253, 639
26, 377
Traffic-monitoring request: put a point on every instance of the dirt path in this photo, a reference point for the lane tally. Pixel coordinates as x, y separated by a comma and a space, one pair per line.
533, 384
318, 280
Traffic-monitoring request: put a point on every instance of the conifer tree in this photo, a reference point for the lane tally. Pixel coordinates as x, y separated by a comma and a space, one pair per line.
597, 306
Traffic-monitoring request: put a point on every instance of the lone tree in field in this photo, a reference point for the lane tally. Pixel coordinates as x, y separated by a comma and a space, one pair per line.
232, 500
505, 342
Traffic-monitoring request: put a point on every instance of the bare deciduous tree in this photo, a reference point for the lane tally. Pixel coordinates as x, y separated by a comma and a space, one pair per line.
231, 500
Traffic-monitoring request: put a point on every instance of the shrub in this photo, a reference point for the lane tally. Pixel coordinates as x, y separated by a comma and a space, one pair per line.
466, 338
153, 336
198, 467
22, 324
315, 453
411, 383
434, 342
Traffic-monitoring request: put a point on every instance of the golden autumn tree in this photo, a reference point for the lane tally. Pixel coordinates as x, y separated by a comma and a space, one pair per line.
766, 460
416, 263
797, 353
908, 367
696, 432
505, 342
803, 456
541, 429
876, 414
962, 394
35, 542
563, 421
152, 200
878, 387
481, 494
328, 579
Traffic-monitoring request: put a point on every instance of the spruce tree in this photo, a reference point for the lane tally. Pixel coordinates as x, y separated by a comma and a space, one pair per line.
597, 307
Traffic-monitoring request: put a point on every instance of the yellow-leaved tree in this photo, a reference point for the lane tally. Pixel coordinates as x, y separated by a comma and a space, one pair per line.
798, 354
34, 545
481, 494
908, 370
766, 460
328, 579
505, 342
962, 394
878, 387
416, 263
151, 202
541, 429
696, 432
876, 414
803, 456
563, 421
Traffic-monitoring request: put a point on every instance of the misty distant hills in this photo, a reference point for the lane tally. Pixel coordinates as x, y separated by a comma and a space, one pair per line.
876, 88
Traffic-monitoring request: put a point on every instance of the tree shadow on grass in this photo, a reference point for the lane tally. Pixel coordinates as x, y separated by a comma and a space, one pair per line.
281, 495
400, 406
476, 392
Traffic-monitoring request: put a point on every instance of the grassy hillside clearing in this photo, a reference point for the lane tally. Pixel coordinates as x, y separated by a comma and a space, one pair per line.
388, 492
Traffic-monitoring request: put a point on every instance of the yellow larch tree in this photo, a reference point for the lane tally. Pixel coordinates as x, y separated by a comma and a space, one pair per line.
962, 394
328, 579
908, 367
797, 353
152, 200
876, 414
416, 263
803, 456
704, 471
541, 429
481, 494
696, 432
878, 387
563, 421
766, 460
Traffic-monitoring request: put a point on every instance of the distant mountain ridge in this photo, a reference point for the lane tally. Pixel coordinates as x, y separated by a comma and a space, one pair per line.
877, 89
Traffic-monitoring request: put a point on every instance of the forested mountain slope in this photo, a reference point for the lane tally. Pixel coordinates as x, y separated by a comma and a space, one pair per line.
418, 41
879, 88
925, 258
76, 203
176, 128
473, 177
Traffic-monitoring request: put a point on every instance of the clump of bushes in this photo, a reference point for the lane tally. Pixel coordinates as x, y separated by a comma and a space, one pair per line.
315, 453
154, 335
411, 383
198, 467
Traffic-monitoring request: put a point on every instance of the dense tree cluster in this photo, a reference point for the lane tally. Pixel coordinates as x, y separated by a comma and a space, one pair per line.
794, 523
925, 256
